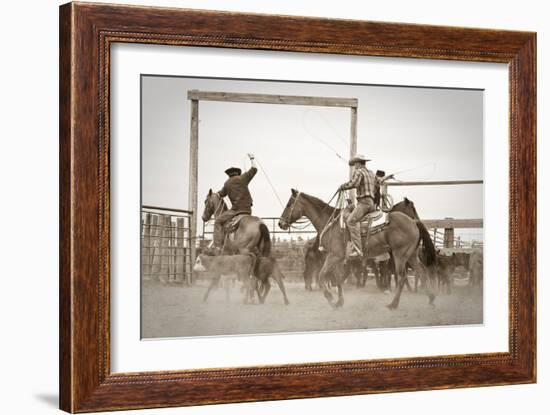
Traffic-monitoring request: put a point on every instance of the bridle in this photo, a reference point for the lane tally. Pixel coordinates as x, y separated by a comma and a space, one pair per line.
287, 221
219, 208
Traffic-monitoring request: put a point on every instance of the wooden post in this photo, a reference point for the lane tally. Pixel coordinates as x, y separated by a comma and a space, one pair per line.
449, 237
165, 248
155, 246
146, 257
173, 251
353, 144
193, 178
180, 252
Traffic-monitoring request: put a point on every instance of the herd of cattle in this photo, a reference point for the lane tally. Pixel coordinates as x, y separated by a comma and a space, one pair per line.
255, 273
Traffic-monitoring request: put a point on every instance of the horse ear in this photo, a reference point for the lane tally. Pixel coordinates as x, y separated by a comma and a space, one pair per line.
210, 192
294, 191
407, 201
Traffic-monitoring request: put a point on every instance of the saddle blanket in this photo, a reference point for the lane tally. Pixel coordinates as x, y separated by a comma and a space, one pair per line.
378, 224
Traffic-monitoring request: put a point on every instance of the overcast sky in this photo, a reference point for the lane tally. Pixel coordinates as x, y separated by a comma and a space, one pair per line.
428, 134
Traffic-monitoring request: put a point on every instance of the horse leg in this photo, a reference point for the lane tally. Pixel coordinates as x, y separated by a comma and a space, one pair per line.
249, 287
378, 277
266, 287
277, 275
328, 266
227, 286
307, 280
213, 283
420, 270
401, 273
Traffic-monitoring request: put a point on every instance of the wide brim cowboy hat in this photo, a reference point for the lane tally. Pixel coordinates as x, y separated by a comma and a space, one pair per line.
356, 158
232, 171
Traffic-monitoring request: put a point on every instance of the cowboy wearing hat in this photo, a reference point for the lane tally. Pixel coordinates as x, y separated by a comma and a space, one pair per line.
366, 183
236, 188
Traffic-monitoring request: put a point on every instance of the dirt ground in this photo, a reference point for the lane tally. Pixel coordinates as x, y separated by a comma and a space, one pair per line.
177, 311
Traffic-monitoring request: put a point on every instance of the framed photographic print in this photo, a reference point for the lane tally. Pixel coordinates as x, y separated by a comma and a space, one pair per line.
258, 207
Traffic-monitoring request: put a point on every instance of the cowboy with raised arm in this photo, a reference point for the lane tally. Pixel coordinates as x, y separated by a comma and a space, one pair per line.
366, 184
236, 188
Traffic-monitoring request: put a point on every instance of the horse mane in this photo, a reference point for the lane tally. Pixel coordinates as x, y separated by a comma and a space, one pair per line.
319, 203
402, 207
224, 205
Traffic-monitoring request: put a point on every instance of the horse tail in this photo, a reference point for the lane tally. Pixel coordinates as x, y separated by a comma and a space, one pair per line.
429, 248
265, 241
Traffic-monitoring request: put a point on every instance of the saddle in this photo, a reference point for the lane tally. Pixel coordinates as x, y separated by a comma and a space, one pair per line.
232, 224
373, 223
367, 230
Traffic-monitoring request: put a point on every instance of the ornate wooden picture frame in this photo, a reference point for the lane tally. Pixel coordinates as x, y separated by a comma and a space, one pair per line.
87, 32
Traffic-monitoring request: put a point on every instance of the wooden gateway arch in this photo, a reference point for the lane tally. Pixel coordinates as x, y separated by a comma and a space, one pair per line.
195, 96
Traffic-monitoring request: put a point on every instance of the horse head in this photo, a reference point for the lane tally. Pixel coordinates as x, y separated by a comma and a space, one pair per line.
213, 205
292, 212
407, 207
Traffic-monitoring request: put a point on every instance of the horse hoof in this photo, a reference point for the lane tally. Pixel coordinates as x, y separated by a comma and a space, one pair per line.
391, 306
287, 302
328, 296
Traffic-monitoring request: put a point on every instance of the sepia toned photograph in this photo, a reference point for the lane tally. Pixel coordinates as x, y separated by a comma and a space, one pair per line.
285, 207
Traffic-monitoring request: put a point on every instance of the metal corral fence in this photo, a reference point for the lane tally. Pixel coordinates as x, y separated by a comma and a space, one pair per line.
165, 245
305, 232
167, 250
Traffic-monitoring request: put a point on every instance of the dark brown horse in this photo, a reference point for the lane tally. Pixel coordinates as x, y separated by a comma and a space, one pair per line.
251, 236
401, 237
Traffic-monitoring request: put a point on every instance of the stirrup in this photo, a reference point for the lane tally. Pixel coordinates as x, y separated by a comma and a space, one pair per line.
352, 251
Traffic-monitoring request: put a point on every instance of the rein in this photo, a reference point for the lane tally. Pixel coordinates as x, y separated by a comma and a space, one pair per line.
218, 210
334, 217
306, 223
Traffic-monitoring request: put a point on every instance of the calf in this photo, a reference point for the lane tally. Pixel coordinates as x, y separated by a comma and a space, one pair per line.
239, 266
265, 269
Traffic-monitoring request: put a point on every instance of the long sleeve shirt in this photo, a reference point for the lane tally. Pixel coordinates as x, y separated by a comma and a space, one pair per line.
364, 181
236, 188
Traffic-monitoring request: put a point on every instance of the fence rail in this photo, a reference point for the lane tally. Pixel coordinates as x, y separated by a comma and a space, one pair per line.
435, 183
165, 245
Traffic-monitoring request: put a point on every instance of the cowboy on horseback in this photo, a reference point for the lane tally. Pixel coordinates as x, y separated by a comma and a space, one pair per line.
236, 188
366, 184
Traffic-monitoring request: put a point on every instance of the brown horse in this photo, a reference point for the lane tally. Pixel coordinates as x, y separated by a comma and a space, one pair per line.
251, 236
401, 237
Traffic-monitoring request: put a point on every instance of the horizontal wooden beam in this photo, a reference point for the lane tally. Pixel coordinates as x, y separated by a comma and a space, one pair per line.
453, 223
435, 183
272, 99
146, 207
